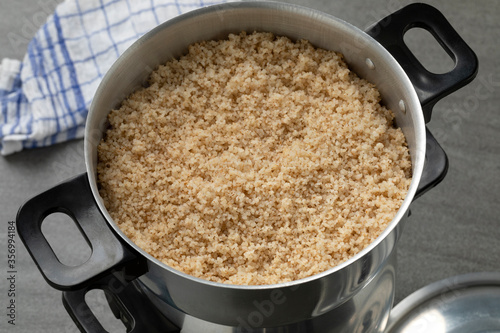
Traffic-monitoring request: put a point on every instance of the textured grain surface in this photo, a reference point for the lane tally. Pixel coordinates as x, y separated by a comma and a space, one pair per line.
254, 160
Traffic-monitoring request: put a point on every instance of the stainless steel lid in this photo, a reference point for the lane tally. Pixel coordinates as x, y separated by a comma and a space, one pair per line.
467, 303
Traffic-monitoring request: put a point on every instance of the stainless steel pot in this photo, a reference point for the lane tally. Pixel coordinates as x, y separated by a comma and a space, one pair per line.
355, 296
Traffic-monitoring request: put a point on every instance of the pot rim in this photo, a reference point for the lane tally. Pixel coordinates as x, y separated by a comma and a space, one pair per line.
413, 104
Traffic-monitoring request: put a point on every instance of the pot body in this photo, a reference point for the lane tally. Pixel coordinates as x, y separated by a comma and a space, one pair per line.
367, 311
311, 297
355, 296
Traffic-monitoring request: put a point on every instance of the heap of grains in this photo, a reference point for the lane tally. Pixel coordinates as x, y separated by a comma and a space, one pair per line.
253, 160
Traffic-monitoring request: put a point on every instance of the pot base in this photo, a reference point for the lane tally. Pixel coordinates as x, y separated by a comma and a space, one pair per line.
366, 312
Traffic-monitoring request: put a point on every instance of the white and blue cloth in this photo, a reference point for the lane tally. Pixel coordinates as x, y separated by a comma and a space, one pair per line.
45, 98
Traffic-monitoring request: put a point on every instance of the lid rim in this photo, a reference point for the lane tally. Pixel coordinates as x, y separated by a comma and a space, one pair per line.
412, 302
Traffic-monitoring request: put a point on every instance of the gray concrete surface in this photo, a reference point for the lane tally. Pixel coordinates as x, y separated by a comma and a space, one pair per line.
454, 229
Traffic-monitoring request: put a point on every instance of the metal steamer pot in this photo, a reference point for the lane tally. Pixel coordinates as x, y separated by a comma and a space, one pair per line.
149, 296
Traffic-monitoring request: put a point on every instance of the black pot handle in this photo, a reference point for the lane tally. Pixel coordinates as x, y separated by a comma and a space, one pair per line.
127, 302
430, 87
74, 198
435, 165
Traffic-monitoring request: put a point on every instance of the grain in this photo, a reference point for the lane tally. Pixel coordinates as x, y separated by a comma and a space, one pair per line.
253, 160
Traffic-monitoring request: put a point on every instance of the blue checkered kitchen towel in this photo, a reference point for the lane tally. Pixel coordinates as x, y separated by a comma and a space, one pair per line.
45, 98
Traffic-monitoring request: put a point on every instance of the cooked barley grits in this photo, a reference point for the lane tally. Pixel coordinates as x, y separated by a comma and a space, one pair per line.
253, 160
